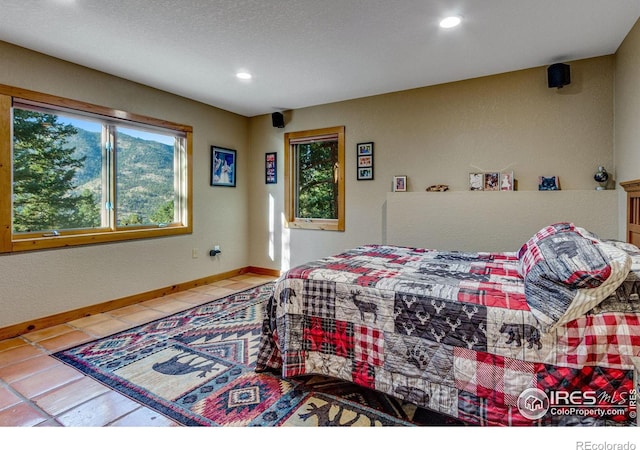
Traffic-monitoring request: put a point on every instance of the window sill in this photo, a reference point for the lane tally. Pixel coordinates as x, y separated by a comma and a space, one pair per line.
49, 242
325, 225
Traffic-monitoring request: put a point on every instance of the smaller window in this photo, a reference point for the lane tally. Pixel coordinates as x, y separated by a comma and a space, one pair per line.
314, 179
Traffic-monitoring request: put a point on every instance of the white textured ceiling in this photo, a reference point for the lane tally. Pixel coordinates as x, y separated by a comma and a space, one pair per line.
309, 52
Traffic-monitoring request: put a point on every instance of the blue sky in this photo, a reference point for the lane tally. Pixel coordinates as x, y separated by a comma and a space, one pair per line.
92, 126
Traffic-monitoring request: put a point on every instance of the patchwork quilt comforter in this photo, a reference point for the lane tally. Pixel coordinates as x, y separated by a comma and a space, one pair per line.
548, 335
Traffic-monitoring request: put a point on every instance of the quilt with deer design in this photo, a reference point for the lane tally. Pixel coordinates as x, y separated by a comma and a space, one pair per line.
449, 331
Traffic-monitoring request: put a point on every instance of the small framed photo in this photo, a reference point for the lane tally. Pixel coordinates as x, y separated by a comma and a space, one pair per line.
548, 183
365, 148
476, 181
365, 173
223, 166
492, 181
271, 168
365, 160
400, 183
506, 181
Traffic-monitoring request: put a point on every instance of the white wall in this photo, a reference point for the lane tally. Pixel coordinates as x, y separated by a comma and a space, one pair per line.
42, 283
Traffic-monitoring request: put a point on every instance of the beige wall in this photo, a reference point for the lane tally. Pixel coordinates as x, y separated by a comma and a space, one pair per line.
437, 135
484, 221
39, 284
433, 135
627, 116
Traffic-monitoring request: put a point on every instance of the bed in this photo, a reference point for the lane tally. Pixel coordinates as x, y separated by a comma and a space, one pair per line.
548, 334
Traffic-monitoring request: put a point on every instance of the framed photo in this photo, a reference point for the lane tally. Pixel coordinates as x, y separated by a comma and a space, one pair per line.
492, 181
506, 181
223, 166
365, 148
548, 183
365, 173
365, 160
400, 183
476, 181
271, 168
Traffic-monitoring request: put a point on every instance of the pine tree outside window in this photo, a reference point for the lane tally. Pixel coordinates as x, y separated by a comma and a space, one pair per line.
81, 174
314, 179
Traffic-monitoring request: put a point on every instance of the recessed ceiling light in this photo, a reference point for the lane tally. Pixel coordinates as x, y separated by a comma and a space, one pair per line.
244, 75
450, 22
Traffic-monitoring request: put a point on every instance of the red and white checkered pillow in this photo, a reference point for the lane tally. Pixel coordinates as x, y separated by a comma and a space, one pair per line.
567, 271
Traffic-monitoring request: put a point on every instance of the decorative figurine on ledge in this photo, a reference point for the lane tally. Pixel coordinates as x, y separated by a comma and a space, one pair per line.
438, 188
601, 176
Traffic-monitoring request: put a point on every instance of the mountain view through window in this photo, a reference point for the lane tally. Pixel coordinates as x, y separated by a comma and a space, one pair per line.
74, 172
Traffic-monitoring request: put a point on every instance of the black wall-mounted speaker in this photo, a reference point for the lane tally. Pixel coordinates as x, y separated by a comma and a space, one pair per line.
277, 119
558, 75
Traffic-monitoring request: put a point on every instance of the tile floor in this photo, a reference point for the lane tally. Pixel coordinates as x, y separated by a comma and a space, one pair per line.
37, 390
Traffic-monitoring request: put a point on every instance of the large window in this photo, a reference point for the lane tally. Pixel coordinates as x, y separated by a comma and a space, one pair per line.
81, 174
314, 179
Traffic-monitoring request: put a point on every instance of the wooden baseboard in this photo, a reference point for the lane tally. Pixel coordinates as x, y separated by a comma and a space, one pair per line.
263, 271
67, 316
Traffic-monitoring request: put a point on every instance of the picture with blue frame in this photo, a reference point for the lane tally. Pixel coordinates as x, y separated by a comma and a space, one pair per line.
223, 166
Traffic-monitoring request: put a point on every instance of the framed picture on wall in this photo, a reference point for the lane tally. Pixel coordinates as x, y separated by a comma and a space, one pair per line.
365, 148
223, 166
365, 173
365, 160
271, 168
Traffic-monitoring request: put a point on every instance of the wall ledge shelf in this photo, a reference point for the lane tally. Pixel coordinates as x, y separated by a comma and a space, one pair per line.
493, 221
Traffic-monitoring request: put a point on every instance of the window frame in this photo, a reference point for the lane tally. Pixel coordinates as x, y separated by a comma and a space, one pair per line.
18, 242
290, 140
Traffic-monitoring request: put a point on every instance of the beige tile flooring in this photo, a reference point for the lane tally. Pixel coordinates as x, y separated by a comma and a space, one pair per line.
37, 390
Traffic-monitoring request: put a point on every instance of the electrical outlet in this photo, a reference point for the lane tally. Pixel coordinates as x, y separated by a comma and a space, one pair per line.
194, 253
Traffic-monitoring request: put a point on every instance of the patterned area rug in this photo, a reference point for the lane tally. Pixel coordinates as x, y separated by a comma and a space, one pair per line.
197, 367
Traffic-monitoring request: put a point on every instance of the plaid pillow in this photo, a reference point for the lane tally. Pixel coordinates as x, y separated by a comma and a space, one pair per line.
529, 255
570, 272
